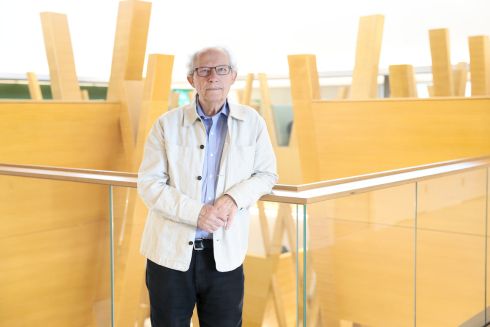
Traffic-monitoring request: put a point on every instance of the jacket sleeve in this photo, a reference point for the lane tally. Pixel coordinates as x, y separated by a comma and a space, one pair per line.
153, 183
264, 174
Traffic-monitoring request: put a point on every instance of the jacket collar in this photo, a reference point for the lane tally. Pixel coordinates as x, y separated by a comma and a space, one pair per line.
191, 116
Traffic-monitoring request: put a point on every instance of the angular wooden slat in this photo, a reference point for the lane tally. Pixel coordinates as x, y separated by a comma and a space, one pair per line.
402, 82
442, 72
266, 108
343, 92
365, 75
460, 77
34, 88
480, 64
64, 83
128, 57
84, 94
304, 88
246, 96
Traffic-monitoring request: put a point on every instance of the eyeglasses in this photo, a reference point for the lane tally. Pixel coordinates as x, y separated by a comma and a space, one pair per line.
206, 71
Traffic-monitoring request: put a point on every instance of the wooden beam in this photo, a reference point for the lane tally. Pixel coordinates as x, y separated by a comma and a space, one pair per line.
365, 75
34, 88
343, 92
128, 56
84, 94
304, 89
460, 74
247, 91
402, 82
442, 72
480, 64
266, 108
64, 83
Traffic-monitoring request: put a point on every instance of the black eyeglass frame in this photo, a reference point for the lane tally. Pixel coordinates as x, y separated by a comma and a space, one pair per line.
196, 70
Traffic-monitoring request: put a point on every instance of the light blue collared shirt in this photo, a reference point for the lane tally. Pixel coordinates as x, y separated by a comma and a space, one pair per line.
216, 129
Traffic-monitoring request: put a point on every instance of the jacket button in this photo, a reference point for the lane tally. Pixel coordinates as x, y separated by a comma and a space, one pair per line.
190, 242
199, 178
201, 146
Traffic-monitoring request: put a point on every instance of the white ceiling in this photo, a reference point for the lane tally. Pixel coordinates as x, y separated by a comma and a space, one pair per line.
259, 33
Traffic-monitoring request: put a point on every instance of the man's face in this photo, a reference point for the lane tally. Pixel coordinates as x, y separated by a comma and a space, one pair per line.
212, 89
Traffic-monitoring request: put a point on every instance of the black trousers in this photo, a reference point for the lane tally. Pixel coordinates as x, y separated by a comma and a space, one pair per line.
173, 294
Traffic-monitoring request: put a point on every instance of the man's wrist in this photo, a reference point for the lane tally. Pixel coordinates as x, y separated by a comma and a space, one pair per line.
232, 199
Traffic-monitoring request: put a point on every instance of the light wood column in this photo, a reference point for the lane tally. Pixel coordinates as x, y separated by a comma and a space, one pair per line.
34, 88
480, 64
402, 82
128, 56
64, 83
304, 89
365, 75
442, 72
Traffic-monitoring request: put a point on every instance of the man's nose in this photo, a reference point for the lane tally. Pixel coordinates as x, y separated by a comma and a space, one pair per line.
213, 75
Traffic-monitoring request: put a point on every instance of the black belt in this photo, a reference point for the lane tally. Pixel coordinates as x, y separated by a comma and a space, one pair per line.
203, 243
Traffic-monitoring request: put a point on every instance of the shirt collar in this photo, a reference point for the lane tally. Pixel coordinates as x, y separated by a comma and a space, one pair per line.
191, 115
223, 111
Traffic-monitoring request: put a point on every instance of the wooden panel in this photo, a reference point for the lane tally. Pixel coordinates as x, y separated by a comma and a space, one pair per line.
304, 88
480, 64
402, 82
442, 73
365, 74
460, 74
64, 83
34, 88
128, 56
60, 134
357, 137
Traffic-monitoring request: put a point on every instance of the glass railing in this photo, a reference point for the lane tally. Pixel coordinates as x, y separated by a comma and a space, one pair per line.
398, 248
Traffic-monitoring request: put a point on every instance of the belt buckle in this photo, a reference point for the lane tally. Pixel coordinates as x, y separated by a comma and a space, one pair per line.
199, 244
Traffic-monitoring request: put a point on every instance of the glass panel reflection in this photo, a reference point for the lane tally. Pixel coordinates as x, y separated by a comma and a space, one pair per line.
270, 266
451, 228
360, 261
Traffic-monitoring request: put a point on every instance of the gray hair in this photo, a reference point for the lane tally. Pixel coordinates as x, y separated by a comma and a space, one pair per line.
193, 58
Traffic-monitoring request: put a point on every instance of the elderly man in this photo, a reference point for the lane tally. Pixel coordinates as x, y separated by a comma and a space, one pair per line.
204, 165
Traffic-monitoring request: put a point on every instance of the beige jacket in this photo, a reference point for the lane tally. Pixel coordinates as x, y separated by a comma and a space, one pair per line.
168, 184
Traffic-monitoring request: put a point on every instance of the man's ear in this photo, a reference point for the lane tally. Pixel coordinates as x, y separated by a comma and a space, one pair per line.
190, 79
234, 75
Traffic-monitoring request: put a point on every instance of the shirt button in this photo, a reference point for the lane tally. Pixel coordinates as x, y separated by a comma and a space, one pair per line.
199, 178
211, 154
190, 242
201, 146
